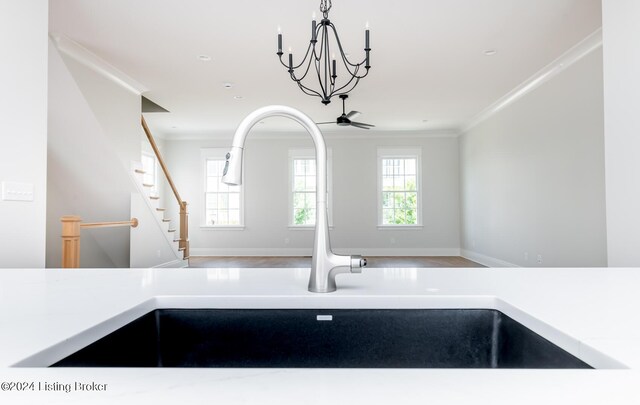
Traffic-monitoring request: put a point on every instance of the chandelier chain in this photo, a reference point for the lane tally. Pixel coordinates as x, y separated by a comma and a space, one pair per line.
325, 6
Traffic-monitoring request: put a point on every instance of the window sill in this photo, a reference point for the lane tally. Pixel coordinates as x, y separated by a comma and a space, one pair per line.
222, 227
305, 227
400, 227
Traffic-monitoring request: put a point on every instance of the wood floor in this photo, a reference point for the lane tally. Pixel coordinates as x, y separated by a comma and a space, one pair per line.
285, 261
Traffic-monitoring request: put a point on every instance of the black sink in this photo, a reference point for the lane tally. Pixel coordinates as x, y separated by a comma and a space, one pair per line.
353, 338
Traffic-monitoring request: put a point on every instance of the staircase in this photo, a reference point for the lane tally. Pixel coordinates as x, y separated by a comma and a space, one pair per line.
169, 226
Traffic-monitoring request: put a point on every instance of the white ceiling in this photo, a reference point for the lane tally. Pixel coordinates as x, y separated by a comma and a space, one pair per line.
428, 55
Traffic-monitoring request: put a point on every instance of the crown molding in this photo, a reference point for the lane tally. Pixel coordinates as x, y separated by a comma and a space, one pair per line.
82, 55
573, 55
228, 135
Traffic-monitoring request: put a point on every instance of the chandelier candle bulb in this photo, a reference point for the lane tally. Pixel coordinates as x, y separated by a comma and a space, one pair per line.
334, 66
290, 61
366, 38
279, 41
313, 28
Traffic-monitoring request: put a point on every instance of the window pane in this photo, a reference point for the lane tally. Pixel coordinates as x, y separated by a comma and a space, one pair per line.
387, 183
234, 201
387, 217
211, 201
223, 201
412, 201
299, 183
410, 183
211, 217
310, 183
213, 168
298, 200
398, 183
212, 184
301, 216
310, 200
410, 166
387, 200
234, 217
223, 217
311, 167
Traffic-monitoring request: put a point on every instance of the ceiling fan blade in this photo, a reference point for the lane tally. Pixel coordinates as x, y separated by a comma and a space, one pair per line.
357, 125
322, 123
353, 114
362, 124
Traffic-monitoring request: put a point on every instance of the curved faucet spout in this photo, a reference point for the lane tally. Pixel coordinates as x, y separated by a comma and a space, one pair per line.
324, 265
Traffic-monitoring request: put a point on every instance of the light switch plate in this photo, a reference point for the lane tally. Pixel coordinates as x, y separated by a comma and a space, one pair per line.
12, 191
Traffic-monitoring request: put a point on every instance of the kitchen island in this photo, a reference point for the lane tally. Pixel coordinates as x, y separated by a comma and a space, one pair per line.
48, 314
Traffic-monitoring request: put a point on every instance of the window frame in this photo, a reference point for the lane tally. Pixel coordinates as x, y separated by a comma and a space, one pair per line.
308, 153
400, 153
218, 154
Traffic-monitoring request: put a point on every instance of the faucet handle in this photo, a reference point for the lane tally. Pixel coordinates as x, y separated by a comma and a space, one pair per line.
357, 263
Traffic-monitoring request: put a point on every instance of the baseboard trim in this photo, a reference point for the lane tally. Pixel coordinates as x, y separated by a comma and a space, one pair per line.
174, 264
485, 260
308, 251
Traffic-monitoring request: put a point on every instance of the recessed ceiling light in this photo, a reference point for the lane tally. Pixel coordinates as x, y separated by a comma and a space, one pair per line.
425, 120
204, 58
261, 122
227, 85
174, 127
490, 52
237, 97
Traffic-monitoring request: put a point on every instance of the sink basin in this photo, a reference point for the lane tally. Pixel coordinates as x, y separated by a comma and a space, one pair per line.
339, 338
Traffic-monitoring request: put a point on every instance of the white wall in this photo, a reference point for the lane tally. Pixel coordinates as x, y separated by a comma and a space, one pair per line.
532, 176
621, 31
94, 134
23, 135
354, 197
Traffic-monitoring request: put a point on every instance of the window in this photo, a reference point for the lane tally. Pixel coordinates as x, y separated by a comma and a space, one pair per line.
223, 203
302, 188
399, 191
149, 166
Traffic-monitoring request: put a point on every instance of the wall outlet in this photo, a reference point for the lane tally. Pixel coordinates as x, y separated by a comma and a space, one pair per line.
473, 243
526, 256
158, 253
286, 241
393, 241
12, 191
539, 259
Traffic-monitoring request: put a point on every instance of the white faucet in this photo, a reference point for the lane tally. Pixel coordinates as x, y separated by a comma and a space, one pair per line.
325, 265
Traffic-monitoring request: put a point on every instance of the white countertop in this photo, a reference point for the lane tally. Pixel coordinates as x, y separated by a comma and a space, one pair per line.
592, 313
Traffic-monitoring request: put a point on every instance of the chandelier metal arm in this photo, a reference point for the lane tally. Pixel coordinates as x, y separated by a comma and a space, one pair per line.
342, 53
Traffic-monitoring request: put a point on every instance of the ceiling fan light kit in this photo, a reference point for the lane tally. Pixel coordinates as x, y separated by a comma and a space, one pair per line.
322, 55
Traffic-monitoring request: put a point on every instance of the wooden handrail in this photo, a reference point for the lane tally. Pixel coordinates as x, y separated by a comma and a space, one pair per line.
133, 223
71, 225
183, 241
161, 161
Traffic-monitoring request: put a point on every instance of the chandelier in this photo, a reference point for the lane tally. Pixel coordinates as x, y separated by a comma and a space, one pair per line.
322, 55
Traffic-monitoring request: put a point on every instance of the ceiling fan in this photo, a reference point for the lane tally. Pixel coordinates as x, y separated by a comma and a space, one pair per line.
345, 119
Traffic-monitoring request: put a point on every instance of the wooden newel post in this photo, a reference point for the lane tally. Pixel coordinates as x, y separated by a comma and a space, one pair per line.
70, 242
184, 229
